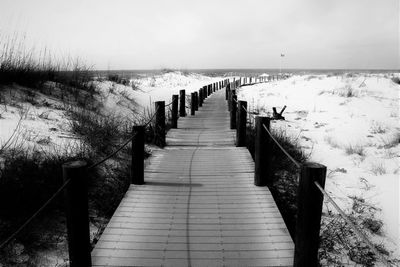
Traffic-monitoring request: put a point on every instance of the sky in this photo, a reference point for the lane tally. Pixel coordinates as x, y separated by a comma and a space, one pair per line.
188, 34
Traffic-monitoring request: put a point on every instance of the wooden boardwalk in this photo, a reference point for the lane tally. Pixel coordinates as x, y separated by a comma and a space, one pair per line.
199, 206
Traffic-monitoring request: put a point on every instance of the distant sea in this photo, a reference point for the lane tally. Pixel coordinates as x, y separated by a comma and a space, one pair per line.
239, 72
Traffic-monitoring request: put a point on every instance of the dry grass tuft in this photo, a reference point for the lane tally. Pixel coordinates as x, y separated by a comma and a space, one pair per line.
392, 141
378, 168
355, 150
377, 127
331, 141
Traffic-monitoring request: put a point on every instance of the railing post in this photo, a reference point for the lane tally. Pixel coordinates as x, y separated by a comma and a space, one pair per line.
182, 103
229, 99
262, 153
233, 110
196, 101
227, 88
174, 119
76, 205
192, 104
200, 98
309, 210
160, 124
204, 92
241, 124
137, 168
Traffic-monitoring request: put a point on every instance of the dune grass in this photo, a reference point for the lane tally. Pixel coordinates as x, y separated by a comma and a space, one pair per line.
355, 149
33, 68
28, 177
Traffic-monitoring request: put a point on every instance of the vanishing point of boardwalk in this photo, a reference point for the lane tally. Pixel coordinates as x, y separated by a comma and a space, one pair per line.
199, 206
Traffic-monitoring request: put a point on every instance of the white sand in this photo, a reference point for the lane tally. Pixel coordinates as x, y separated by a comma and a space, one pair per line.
318, 111
327, 121
150, 89
49, 128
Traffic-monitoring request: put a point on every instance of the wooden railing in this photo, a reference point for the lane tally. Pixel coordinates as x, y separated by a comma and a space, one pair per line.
75, 186
310, 191
311, 183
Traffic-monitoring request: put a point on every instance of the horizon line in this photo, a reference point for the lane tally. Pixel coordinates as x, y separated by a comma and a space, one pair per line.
186, 69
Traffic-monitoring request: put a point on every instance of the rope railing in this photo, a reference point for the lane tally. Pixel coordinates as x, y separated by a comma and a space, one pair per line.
65, 184
67, 180
352, 225
298, 165
112, 154
13, 235
123, 144
169, 104
310, 175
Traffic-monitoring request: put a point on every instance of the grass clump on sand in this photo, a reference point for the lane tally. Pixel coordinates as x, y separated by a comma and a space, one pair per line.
28, 177
355, 150
35, 69
347, 91
340, 245
102, 133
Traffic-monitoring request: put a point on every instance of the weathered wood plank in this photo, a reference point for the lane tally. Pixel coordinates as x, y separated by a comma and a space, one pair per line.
198, 206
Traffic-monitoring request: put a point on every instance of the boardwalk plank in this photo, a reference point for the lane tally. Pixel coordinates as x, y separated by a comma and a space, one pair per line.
199, 206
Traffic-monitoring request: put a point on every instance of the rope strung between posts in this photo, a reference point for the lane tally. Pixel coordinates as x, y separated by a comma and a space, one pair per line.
245, 109
249, 113
328, 197
11, 237
169, 104
65, 184
352, 225
113, 153
277, 143
123, 145
283, 150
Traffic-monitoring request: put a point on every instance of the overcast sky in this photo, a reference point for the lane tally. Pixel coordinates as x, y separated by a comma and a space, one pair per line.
128, 34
